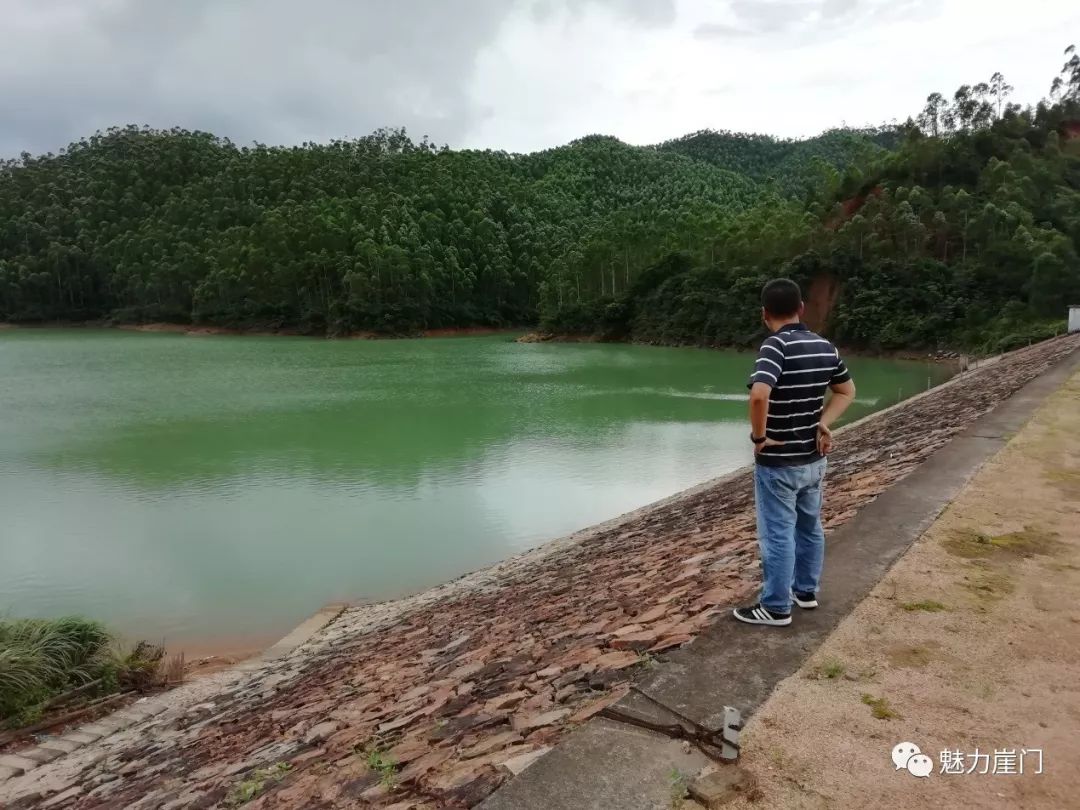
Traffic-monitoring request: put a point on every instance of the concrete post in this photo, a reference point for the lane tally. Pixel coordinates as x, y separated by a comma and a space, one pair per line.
1074, 318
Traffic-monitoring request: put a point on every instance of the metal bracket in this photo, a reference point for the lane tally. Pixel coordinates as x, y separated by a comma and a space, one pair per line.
721, 745
729, 748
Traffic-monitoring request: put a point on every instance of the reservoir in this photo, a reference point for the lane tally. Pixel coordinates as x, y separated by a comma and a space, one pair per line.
213, 491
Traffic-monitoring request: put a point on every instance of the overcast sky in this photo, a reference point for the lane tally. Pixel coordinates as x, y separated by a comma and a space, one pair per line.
506, 74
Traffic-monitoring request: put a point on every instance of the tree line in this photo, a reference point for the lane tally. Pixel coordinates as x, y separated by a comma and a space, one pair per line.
963, 221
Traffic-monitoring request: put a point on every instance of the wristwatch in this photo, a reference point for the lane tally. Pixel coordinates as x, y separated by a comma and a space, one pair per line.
757, 439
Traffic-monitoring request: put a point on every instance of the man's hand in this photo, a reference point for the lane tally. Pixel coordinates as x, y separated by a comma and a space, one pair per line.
824, 440
767, 443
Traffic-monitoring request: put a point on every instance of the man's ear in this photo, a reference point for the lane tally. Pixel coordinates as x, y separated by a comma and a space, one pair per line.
764, 316
802, 309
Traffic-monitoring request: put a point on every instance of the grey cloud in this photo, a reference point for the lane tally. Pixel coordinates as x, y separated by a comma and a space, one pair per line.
276, 71
831, 9
720, 31
766, 16
817, 18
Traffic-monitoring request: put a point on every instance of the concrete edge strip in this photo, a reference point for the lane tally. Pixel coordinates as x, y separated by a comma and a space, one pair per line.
303, 632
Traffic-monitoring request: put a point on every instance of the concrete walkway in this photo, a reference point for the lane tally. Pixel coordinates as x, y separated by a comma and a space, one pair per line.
605, 764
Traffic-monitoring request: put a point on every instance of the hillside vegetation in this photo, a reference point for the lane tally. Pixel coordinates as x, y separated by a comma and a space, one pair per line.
962, 224
795, 167
967, 235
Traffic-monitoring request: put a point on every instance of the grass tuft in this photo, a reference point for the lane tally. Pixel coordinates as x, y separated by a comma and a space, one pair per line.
880, 708
927, 605
829, 669
243, 792
42, 660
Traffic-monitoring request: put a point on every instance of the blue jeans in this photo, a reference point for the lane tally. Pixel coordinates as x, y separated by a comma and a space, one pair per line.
789, 531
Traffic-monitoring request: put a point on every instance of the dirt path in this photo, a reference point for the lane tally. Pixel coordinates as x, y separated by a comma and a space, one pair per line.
971, 642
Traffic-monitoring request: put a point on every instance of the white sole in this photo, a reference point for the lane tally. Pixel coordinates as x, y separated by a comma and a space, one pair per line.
766, 622
804, 605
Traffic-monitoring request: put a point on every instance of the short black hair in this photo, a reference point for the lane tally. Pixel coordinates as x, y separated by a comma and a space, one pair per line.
781, 298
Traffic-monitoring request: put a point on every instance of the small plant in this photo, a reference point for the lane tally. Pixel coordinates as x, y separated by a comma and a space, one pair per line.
384, 765
830, 669
244, 792
647, 660
928, 605
679, 782
880, 708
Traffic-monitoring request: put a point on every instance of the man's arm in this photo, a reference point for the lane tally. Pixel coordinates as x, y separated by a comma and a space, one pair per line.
843, 394
767, 370
759, 408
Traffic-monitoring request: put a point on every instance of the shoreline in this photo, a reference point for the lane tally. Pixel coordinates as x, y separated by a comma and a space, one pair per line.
200, 330
950, 357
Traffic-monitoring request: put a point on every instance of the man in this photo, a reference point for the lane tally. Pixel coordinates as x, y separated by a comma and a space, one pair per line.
790, 427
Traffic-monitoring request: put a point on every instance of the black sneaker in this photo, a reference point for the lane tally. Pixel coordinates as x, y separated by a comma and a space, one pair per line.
758, 614
805, 599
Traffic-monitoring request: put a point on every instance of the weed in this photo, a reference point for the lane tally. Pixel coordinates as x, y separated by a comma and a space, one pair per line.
880, 708
647, 660
384, 765
680, 783
244, 792
928, 605
829, 669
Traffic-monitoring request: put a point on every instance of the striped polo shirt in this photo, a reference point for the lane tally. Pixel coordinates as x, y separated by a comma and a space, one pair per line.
799, 366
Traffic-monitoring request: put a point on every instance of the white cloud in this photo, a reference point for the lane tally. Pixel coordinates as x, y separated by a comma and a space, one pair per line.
790, 67
505, 74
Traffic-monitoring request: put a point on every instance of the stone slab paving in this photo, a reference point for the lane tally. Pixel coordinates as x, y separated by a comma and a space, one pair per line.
422, 702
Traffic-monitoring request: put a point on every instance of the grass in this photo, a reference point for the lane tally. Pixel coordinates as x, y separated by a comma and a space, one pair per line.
880, 708
927, 605
244, 792
912, 656
829, 669
1029, 541
1066, 480
988, 584
41, 660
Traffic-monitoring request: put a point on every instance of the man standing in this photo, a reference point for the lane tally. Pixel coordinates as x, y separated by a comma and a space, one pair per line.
790, 428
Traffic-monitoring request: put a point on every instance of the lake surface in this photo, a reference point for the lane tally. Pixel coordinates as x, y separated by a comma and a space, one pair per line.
215, 491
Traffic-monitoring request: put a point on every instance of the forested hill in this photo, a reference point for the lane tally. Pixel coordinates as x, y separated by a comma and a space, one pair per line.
796, 167
969, 227
378, 233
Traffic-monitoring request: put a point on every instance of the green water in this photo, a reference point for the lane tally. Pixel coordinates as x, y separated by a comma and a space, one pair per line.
210, 489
